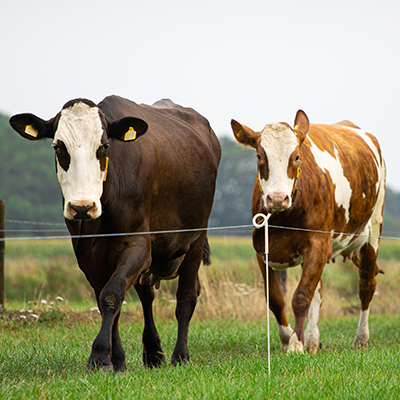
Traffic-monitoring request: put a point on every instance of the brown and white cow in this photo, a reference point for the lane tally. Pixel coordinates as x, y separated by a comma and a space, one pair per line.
128, 168
340, 190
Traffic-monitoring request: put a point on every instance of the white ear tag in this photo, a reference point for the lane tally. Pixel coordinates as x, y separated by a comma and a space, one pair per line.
130, 135
31, 131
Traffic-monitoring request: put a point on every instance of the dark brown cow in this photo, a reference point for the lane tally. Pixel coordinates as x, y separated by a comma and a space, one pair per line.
340, 190
114, 180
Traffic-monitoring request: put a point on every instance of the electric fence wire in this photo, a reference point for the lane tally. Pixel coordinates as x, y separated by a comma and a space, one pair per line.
210, 229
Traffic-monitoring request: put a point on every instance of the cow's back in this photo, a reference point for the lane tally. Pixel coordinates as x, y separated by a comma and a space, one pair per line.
348, 165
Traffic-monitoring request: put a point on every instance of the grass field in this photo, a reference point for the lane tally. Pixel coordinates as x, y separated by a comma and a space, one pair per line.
45, 342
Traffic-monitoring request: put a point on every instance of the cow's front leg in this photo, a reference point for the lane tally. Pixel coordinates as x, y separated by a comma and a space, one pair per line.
276, 302
314, 259
100, 357
312, 340
107, 351
117, 353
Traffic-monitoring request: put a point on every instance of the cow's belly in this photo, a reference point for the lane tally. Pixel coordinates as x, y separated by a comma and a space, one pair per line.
342, 245
346, 245
294, 262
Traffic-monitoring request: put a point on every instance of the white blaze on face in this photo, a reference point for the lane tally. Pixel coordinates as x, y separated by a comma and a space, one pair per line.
278, 142
80, 129
330, 164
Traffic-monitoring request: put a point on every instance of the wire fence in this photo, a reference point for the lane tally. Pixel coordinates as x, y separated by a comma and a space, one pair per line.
248, 228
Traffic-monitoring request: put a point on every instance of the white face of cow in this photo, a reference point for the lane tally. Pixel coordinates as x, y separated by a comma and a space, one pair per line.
278, 155
278, 158
77, 141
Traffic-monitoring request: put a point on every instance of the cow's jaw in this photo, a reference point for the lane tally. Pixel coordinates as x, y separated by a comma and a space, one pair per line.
80, 130
278, 142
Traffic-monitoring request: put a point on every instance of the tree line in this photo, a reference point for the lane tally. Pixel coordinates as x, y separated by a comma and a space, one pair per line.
29, 185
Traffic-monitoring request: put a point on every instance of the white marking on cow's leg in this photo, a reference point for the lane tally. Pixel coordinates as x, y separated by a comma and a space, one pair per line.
295, 345
362, 334
311, 334
285, 332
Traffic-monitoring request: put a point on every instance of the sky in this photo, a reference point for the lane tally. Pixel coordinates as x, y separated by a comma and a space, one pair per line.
255, 61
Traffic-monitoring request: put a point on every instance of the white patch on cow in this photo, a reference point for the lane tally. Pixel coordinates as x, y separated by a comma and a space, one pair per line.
376, 220
362, 333
295, 345
285, 333
341, 244
278, 266
311, 334
278, 142
81, 130
330, 164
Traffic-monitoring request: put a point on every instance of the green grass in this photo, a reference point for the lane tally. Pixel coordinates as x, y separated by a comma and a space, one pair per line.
44, 356
228, 360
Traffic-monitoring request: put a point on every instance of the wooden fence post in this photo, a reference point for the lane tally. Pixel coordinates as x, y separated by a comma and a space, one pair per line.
2, 250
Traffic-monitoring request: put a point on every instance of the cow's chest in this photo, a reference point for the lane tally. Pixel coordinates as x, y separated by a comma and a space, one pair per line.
284, 251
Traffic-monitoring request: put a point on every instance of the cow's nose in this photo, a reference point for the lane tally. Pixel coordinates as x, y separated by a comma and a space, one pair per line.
81, 211
278, 201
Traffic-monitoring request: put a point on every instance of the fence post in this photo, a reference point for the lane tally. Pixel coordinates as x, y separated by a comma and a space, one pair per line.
2, 250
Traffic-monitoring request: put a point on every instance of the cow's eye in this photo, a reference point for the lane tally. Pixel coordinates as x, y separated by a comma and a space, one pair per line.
258, 158
56, 148
297, 159
103, 149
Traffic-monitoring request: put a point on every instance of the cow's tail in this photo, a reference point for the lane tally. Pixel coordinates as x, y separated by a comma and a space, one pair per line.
206, 253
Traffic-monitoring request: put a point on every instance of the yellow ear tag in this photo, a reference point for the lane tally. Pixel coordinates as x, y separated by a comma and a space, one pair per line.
296, 127
31, 131
239, 133
130, 135
105, 170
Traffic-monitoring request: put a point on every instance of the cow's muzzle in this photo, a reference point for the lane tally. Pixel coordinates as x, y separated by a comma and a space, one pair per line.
278, 201
81, 211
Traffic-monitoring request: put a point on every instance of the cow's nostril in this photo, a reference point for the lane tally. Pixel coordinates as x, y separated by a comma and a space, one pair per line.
81, 211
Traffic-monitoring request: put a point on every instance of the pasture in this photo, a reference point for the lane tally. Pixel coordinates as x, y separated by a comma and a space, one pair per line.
50, 320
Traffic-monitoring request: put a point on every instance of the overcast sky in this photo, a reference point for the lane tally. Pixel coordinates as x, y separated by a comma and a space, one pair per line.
254, 61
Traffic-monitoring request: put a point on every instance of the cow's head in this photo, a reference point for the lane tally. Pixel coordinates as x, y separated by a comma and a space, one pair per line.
278, 156
81, 136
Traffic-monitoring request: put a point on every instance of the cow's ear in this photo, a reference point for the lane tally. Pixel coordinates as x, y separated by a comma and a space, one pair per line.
31, 127
301, 125
244, 135
127, 129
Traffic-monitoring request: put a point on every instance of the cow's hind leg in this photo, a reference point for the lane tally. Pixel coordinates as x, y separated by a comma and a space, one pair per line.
368, 269
153, 355
187, 294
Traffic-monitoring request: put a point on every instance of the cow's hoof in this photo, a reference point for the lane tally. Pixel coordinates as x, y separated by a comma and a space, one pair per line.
92, 367
295, 345
179, 360
151, 360
361, 343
